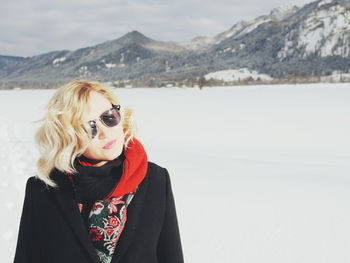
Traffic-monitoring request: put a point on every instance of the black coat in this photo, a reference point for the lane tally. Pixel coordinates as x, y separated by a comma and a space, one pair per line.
52, 229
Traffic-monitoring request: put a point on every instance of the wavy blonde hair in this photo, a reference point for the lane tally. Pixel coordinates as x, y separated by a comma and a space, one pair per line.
61, 138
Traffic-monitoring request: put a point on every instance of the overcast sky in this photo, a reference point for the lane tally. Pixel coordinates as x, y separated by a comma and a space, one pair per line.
38, 26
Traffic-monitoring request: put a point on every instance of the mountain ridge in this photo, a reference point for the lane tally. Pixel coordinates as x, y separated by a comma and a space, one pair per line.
312, 40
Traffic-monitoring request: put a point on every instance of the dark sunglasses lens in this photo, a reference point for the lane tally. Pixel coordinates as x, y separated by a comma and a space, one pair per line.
111, 119
93, 132
93, 129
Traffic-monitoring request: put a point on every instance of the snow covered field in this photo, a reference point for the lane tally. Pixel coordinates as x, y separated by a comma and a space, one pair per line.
259, 173
234, 75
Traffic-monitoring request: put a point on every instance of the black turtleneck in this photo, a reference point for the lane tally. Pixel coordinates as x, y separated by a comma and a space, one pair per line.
93, 183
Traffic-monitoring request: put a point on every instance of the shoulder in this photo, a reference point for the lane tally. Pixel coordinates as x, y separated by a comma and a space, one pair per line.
35, 185
156, 170
35, 182
35, 190
157, 174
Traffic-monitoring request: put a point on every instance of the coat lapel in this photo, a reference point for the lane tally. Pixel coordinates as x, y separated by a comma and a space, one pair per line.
133, 217
66, 202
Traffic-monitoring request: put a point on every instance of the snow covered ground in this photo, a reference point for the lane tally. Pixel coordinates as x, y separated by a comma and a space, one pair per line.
259, 173
234, 75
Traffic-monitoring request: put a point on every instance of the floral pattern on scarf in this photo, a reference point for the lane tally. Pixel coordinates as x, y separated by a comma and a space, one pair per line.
106, 222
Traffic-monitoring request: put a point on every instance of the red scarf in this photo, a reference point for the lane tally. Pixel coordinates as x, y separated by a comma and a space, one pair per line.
134, 169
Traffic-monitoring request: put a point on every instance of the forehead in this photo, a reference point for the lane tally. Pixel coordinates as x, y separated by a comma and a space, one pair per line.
97, 104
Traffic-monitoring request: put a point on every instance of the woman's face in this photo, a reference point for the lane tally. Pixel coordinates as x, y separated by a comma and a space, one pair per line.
97, 149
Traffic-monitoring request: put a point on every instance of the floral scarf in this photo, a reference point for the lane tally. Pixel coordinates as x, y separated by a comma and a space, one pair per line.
106, 223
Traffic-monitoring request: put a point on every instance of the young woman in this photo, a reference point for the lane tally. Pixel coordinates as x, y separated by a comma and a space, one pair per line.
96, 197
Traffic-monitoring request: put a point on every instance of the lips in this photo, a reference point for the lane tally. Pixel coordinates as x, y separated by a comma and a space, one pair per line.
109, 145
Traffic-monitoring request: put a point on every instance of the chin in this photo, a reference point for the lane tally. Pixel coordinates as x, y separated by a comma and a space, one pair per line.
115, 154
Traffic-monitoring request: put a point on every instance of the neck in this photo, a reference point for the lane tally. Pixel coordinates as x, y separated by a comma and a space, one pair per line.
89, 162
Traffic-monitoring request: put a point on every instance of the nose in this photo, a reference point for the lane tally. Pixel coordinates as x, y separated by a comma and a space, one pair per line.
102, 130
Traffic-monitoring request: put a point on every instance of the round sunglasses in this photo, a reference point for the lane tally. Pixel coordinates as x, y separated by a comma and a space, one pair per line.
109, 118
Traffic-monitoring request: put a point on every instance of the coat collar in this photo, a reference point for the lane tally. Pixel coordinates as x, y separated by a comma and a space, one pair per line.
64, 197
66, 202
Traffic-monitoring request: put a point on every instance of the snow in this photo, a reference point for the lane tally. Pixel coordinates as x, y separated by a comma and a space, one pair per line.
336, 76
110, 65
236, 28
259, 173
84, 71
234, 75
324, 31
282, 9
286, 50
324, 2
57, 61
240, 29
252, 27
245, 27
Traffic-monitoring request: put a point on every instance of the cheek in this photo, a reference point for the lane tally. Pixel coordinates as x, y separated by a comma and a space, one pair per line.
90, 150
95, 148
119, 133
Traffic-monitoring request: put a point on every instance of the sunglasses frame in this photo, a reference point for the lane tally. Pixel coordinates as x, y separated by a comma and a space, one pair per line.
100, 118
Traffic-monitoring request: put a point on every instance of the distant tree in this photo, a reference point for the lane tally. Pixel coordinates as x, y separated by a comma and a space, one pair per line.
202, 82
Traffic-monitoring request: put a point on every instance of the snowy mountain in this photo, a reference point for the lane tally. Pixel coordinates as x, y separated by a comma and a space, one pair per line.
202, 42
323, 31
245, 27
241, 28
308, 41
289, 42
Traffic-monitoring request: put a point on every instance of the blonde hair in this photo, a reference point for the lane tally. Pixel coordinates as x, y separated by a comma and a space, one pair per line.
61, 138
